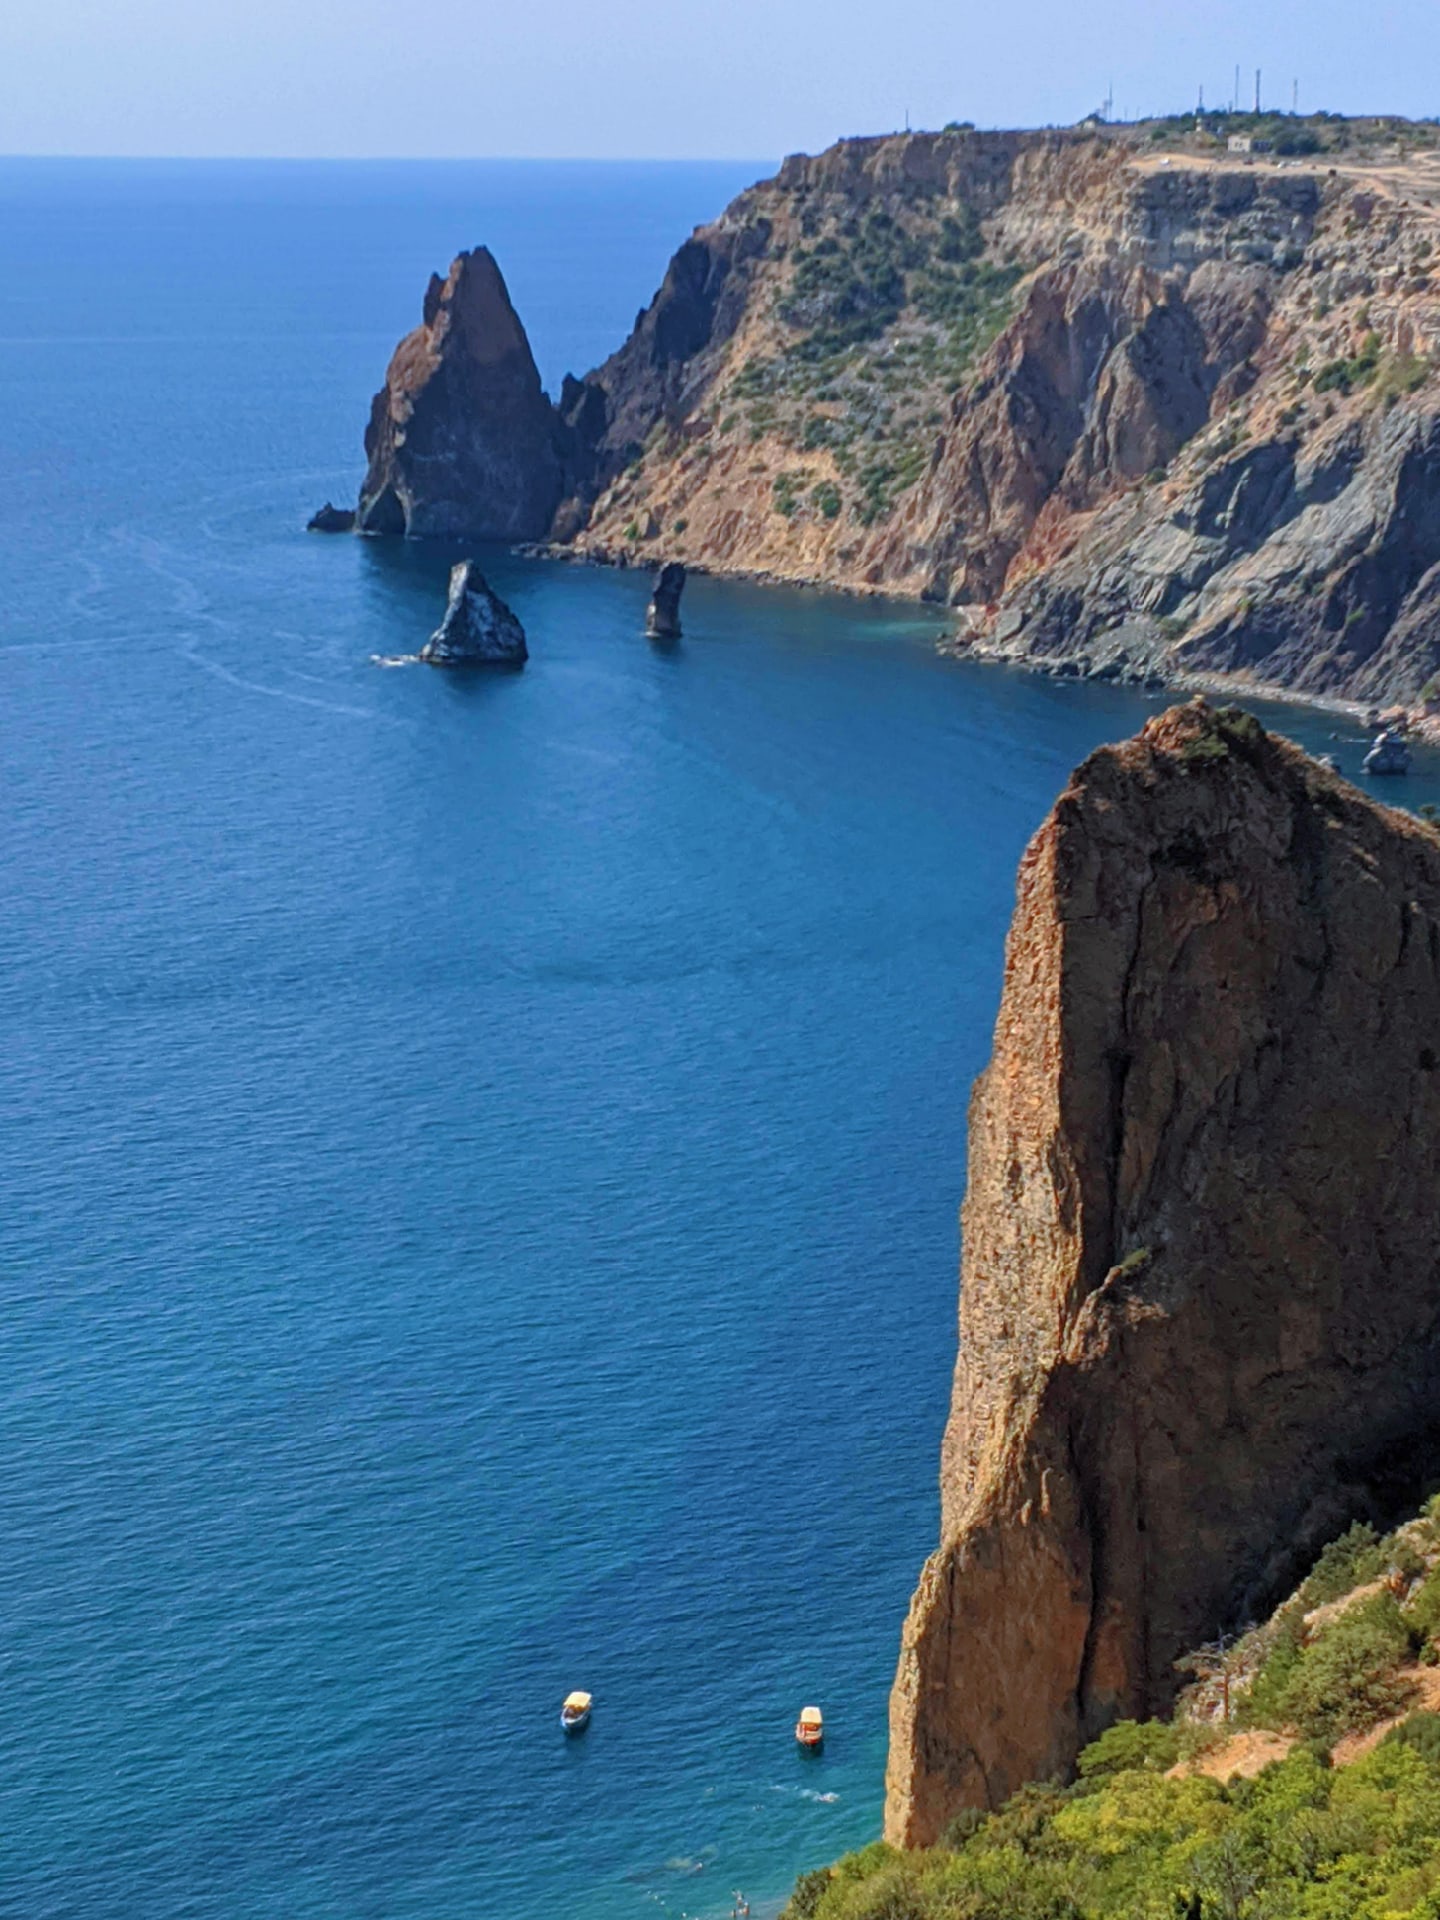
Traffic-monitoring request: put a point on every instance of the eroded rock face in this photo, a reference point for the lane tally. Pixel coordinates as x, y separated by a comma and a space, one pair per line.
662, 616
478, 630
462, 440
1137, 411
1200, 1310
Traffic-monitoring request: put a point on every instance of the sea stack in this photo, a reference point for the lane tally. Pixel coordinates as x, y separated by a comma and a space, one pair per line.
662, 616
1200, 1309
1388, 755
462, 441
478, 630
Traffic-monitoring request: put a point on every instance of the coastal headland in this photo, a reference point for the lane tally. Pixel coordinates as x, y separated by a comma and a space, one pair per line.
1131, 404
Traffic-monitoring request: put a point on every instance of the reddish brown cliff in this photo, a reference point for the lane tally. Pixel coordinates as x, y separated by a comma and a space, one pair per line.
462, 440
1200, 1311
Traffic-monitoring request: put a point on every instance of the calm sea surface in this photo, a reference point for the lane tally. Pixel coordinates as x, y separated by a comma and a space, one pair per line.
480, 1158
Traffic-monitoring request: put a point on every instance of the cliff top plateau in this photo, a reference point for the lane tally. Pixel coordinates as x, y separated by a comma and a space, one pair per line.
1200, 1302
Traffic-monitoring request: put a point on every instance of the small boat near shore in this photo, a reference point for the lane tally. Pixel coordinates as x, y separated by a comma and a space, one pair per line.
810, 1727
575, 1713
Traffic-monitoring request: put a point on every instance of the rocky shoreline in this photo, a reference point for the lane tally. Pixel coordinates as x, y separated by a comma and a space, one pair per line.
1092, 395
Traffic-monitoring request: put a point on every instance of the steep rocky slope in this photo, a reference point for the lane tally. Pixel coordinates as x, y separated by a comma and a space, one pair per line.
1125, 408
1200, 1310
462, 439
1145, 412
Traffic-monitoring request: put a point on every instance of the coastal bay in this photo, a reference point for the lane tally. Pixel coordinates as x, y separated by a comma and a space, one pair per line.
484, 1221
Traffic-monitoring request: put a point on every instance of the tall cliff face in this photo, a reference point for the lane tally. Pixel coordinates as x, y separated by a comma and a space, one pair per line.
1133, 409
1200, 1305
462, 441
1139, 410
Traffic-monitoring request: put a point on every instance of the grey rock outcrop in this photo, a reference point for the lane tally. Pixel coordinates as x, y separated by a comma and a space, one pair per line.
662, 616
462, 441
331, 519
478, 630
1388, 755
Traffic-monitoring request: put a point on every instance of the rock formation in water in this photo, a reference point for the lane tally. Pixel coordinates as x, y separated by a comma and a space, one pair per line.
1388, 755
1130, 406
1200, 1309
662, 616
462, 441
331, 519
478, 630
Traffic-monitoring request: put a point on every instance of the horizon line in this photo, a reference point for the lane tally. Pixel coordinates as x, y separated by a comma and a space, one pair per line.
415, 159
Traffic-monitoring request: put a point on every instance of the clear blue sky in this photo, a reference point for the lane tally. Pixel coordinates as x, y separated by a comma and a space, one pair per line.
731, 78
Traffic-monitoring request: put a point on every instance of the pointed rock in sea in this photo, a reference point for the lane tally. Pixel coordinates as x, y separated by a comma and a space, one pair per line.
478, 630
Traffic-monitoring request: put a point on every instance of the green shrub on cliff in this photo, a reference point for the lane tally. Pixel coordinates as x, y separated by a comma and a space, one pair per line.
1131, 1746
1346, 1563
1136, 1838
1346, 1680
1420, 1731
1300, 1842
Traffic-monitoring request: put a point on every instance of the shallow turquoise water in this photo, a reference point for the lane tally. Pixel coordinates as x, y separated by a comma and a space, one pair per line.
480, 1158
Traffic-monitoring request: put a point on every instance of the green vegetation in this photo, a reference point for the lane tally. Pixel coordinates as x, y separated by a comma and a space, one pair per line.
1401, 373
1301, 1842
1356, 1557
1226, 728
1390, 373
1131, 1746
1289, 134
1345, 1680
1138, 1836
785, 490
1134, 1263
884, 315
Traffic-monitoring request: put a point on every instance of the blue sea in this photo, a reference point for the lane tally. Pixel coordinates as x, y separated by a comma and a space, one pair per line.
480, 1162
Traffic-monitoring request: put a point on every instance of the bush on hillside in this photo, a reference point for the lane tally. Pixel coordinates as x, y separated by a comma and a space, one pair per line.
1300, 1842
1422, 1611
1346, 1680
1347, 1563
1420, 1731
1131, 1746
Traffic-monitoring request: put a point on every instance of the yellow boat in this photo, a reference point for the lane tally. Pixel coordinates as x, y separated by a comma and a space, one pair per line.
576, 1712
810, 1727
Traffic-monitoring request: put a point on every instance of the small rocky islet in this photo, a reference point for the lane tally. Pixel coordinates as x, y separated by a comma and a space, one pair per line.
479, 629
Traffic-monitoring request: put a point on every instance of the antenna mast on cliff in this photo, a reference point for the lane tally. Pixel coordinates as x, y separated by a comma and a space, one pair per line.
1257, 89
1294, 96
1235, 96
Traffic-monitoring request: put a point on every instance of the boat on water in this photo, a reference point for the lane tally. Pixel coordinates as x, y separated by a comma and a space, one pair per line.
575, 1713
810, 1727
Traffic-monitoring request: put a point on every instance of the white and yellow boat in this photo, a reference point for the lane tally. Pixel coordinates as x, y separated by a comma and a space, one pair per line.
575, 1713
810, 1727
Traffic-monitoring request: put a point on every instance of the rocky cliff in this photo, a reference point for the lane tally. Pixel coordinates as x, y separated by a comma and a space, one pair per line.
1124, 403
1200, 1304
1143, 411
462, 441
